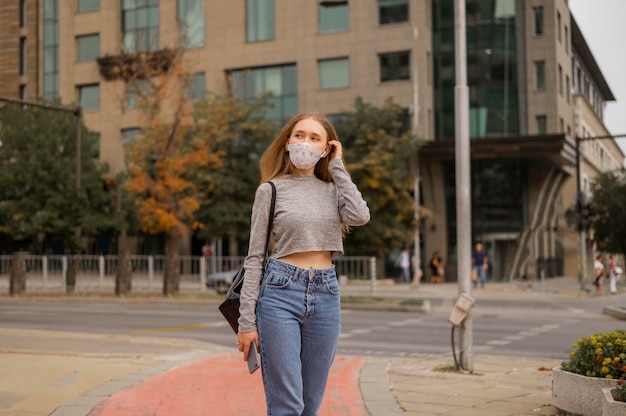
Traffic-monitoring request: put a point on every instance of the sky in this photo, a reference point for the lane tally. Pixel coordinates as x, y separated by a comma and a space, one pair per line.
603, 24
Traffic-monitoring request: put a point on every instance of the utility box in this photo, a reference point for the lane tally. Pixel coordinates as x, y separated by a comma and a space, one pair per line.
461, 308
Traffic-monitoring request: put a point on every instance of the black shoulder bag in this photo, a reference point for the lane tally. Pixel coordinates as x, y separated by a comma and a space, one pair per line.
230, 306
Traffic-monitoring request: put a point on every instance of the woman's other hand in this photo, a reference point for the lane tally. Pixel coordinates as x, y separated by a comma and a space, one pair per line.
244, 339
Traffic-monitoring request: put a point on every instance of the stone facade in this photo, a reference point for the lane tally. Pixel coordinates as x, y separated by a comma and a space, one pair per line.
19, 33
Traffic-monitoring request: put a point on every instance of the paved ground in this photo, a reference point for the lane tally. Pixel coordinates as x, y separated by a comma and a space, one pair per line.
67, 374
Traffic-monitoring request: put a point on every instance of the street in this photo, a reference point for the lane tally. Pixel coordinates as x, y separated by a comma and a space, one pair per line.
532, 328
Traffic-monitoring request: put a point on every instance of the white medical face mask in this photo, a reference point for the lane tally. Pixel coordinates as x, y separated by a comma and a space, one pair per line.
304, 155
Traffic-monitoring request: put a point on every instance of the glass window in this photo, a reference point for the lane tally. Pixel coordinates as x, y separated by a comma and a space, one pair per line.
23, 54
334, 73
560, 80
280, 82
497, 192
540, 75
88, 5
478, 121
51, 33
140, 25
22, 92
395, 66
89, 97
51, 49
542, 124
504, 9
50, 9
23, 13
333, 16
88, 47
538, 21
197, 87
190, 15
259, 20
393, 11
130, 133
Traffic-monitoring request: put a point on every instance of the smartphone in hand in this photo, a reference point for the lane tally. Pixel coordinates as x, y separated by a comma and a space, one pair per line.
253, 359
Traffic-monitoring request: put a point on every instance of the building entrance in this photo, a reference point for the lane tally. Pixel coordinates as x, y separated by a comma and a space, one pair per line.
501, 249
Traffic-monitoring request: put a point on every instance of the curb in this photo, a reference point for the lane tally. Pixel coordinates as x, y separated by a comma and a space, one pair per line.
376, 390
615, 312
389, 306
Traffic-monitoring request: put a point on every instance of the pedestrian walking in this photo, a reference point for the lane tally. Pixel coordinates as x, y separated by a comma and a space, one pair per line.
404, 263
437, 274
480, 263
612, 266
292, 312
598, 272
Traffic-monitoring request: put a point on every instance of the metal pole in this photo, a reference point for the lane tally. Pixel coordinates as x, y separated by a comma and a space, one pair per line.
77, 113
581, 229
416, 170
418, 251
463, 189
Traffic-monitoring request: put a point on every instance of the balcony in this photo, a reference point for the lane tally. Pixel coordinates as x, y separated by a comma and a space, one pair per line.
139, 65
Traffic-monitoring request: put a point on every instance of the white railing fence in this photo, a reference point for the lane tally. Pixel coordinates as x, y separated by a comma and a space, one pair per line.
96, 274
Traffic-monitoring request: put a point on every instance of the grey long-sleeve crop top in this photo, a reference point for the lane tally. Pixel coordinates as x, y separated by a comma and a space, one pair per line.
307, 217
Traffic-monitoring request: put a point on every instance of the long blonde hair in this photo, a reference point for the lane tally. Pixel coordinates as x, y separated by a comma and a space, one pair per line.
275, 160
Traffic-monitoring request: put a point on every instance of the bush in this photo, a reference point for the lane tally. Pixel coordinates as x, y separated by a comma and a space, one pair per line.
600, 355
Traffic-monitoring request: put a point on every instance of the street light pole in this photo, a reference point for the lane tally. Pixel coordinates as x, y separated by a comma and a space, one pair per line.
77, 113
463, 187
581, 230
416, 170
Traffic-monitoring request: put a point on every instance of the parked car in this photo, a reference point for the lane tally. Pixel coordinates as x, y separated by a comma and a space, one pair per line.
220, 281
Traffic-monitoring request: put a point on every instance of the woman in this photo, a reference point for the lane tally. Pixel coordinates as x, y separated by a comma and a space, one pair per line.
292, 312
598, 272
612, 275
436, 268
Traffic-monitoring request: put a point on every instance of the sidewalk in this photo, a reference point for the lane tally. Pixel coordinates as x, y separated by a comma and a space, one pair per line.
68, 374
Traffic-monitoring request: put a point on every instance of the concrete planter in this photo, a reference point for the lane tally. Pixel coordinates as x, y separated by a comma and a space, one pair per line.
578, 394
611, 407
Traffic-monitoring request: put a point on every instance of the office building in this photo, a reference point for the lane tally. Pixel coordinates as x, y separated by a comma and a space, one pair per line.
534, 88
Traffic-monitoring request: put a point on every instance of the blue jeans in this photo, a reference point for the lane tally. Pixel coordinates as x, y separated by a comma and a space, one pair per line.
480, 273
299, 322
406, 275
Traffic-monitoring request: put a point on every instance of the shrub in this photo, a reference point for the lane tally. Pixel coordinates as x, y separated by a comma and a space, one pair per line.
600, 355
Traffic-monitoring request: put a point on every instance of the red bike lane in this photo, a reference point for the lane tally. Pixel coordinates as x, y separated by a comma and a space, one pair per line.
221, 386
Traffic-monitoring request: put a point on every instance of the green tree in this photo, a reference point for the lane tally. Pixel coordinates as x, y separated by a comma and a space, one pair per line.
39, 200
609, 210
377, 143
229, 189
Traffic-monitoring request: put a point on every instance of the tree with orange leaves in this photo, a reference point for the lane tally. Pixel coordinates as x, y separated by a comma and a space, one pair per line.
171, 161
